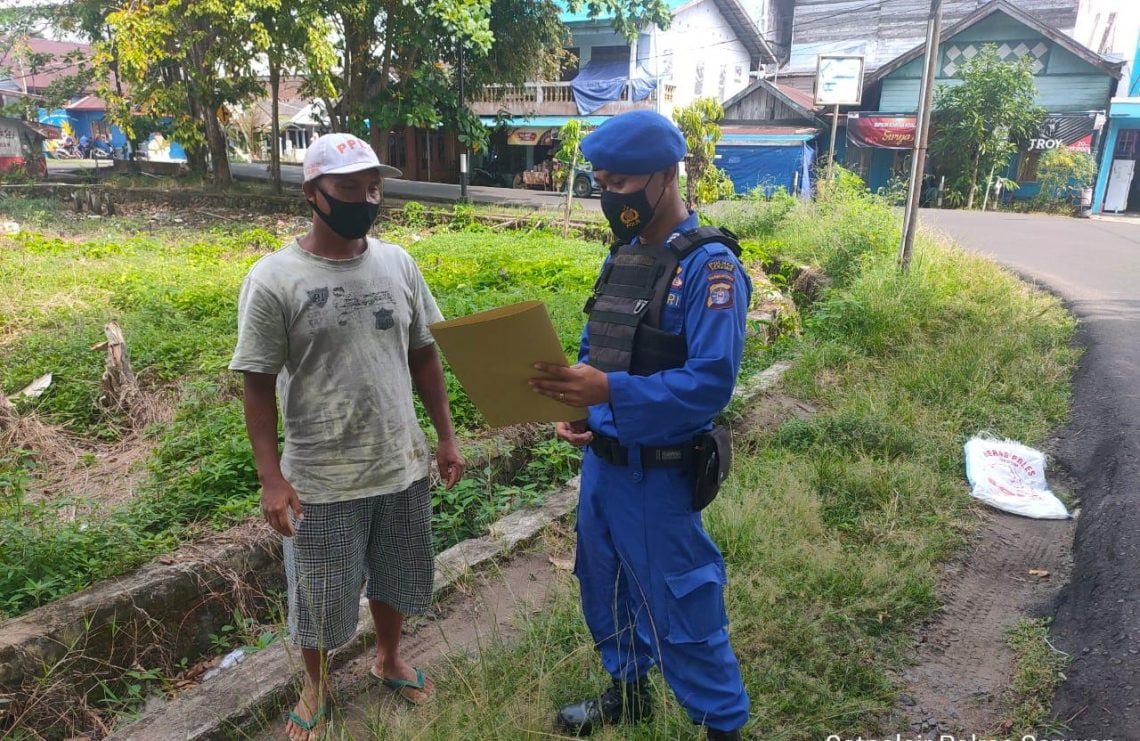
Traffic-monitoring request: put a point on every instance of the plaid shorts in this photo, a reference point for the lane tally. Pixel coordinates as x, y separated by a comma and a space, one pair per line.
381, 542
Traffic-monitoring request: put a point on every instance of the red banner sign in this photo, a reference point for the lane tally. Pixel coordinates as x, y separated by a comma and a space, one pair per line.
881, 130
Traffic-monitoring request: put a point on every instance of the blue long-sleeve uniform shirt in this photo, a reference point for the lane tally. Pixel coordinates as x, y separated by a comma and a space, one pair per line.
707, 303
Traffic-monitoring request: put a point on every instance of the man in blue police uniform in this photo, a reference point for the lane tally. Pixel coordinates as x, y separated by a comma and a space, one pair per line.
658, 360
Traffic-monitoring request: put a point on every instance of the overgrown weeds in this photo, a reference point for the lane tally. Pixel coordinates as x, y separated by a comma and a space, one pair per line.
1037, 672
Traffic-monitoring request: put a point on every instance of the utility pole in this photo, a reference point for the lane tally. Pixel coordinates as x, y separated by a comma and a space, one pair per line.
463, 153
831, 147
921, 133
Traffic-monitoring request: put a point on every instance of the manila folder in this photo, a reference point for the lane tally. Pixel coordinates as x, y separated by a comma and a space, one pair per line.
492, 353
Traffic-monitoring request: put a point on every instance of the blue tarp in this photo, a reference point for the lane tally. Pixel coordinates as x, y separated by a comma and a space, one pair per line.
601, 82
768, 166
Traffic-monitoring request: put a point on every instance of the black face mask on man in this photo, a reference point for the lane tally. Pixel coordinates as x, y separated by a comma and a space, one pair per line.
628, 213
349, 219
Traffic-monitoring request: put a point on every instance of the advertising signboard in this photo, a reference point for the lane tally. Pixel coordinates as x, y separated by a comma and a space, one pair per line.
881, 130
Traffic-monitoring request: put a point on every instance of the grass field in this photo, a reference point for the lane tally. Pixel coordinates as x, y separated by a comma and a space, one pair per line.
173, 288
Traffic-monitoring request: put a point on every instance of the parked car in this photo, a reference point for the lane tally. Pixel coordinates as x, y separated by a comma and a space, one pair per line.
584, 183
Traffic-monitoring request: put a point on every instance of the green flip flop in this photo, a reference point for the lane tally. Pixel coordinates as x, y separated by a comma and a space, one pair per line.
398, 685
311, 723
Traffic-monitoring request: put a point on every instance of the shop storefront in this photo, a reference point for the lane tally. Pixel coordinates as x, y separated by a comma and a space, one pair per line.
518, 146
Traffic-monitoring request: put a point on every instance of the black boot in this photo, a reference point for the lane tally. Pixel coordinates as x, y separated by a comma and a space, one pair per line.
715, 735
621, 703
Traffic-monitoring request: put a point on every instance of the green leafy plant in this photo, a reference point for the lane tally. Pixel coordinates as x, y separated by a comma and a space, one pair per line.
1064, 172
699, 122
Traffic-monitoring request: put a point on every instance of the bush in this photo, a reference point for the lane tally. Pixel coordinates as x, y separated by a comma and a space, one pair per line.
1063, 173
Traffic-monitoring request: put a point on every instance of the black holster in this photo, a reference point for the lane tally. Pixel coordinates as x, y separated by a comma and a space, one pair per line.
713, 461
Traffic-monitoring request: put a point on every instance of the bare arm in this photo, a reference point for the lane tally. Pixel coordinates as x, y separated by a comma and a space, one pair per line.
277, 495
427, 375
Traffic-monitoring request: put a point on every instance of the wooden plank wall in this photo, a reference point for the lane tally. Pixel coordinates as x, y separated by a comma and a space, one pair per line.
760, 105
844, 20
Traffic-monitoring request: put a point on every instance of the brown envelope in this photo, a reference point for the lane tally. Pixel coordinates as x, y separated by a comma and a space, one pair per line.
492, 354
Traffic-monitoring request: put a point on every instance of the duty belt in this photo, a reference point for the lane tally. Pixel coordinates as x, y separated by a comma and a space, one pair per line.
613, 452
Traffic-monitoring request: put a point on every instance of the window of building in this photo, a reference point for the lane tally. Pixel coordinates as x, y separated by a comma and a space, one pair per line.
721, 82
738, 74
1027, 166
699, 81
1127, 143
397, 149
610, 53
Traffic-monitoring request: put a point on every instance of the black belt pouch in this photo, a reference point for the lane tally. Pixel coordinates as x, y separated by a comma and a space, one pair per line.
714, 459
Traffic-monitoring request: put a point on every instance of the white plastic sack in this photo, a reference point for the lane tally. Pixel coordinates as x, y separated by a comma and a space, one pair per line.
1011, 477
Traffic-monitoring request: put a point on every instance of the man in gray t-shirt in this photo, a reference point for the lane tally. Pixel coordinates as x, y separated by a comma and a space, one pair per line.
335, 326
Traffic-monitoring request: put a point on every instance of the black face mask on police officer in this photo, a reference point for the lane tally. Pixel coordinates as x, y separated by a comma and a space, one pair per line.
349, 219
628, 213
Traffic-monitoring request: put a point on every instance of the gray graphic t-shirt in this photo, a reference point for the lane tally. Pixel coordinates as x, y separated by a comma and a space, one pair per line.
337, 333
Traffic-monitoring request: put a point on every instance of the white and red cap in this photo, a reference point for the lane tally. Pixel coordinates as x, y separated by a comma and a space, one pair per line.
341, 154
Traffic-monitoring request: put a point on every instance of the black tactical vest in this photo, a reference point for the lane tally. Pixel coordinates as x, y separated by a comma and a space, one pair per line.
629, 297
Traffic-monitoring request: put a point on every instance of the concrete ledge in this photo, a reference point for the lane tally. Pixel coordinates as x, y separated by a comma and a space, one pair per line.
171, 606
162, 604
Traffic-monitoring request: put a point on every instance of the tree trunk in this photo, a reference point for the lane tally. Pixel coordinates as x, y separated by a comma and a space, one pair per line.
275, 126
357, 38
8, 416
973, 181
216, 141
195, 154
121, 394
379, 141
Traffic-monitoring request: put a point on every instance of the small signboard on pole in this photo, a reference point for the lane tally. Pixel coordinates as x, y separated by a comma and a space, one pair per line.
838, 81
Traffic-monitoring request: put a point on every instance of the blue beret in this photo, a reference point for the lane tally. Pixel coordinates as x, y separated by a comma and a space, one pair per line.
635, 143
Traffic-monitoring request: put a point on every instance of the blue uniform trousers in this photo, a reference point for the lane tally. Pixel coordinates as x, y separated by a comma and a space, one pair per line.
652, 584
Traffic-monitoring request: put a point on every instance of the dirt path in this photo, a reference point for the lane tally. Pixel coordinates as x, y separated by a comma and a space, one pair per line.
1095, 267
483, 608
963, 662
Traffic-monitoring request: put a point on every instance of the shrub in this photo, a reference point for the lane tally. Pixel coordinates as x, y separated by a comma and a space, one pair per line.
1064, 172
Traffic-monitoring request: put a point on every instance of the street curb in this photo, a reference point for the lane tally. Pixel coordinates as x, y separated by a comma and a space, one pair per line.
241, 697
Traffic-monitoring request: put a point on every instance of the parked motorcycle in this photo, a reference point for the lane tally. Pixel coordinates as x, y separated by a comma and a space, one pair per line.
66, 152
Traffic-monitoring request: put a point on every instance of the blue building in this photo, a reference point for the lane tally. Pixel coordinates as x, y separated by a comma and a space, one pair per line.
1117, 187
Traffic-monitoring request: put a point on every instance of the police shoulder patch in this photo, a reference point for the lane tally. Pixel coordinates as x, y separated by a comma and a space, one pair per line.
719, 295
720, 265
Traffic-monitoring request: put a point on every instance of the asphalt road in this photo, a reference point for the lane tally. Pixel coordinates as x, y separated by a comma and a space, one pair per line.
412, 190
1094, 266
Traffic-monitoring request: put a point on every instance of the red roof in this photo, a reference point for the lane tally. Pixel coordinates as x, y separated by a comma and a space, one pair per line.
12, 60
87, 103
768, 130
802, 98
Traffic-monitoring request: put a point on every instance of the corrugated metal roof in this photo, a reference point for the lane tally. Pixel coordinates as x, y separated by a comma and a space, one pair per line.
546, 121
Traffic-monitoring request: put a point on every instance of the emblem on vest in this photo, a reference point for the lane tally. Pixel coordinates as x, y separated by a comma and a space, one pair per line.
629, 216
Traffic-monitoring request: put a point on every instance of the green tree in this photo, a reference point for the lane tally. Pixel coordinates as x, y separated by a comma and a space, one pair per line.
700, 123
398, 57
977, 123
298, 43
569, 155
187, 60
1064, 172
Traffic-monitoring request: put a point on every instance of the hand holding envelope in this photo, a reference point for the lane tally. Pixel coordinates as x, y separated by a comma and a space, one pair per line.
495, 355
